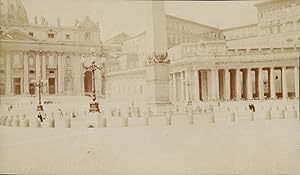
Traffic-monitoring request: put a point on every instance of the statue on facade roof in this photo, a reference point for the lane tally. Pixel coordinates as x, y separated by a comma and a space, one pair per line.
76, 22
43, 20
35, 20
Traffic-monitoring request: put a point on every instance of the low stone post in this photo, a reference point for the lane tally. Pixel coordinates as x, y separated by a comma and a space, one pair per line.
211, 116
251, 115
51, 122
232, 116
124, 121
68, 122
267, 115
16, 122
101, 122
35, 123
8, 122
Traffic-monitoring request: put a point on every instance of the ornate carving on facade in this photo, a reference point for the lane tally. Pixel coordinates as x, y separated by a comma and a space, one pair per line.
159, 58
87, 23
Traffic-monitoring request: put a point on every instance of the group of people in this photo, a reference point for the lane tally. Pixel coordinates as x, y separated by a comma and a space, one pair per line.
60, 112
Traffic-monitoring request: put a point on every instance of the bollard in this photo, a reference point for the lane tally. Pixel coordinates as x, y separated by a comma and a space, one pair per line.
16, 122
101, 123
290, 114
124, 121
267, 115
211, 117
35, 123
68, 123
51, 123
1, 120
251, 116
8, 122
232, 116
24, 123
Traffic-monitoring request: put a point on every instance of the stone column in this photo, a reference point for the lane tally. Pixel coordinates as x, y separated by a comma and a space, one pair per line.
296, 76
60, 73
44, 88
249, 84
170, 86
77, 75
196, 85
38, 64
182, 83
284, 83
25, 74
238, 84
260, 84
187, 85
214, 82
98, 81
174, 86
272, 83
8, 79
227, 84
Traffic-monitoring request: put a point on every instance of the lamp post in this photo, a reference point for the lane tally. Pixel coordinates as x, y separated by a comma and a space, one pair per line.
39, 83
89, 64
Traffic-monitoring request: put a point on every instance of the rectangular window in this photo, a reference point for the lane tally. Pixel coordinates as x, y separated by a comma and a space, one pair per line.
31, 71
68, 37
1, 60
51, 72
31, 33
17, 59
87, 36
50, 35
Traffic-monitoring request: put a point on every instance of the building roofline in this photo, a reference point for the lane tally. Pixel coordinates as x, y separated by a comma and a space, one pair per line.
239, 27
187, 20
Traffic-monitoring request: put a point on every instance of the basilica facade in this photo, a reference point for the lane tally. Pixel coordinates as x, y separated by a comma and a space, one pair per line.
39, 51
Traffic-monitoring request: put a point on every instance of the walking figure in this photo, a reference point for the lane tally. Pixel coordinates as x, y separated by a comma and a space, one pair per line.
252, 107
40, 117
73, 115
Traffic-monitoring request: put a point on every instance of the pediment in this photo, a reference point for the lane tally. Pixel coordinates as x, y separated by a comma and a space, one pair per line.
17, 35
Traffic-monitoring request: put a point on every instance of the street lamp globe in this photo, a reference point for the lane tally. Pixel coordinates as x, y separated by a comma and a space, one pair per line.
93, 50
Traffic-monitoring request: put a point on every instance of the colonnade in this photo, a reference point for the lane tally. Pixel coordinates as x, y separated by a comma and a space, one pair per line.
235, 83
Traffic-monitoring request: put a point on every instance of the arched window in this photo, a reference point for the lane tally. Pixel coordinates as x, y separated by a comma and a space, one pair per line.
31, 61
68, 61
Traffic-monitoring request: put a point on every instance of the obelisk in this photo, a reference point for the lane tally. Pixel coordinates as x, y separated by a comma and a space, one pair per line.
157, 68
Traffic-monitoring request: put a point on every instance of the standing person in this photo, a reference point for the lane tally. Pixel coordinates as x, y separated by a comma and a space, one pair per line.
73, 115
252, 107
61, 113
40, 117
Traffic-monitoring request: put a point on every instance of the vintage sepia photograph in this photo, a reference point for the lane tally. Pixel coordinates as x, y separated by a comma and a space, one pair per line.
128, 87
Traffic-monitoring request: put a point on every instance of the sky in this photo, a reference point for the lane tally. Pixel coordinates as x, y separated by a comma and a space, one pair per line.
116, 16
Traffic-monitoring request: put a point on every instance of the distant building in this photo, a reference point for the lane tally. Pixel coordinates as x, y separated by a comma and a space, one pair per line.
255, 61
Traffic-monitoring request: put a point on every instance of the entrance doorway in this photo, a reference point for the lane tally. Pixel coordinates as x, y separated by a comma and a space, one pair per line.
88, 82
51, 87
17, 86
31, 88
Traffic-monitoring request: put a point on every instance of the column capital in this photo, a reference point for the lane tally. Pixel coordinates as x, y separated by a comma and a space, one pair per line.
25, 52
38, 52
